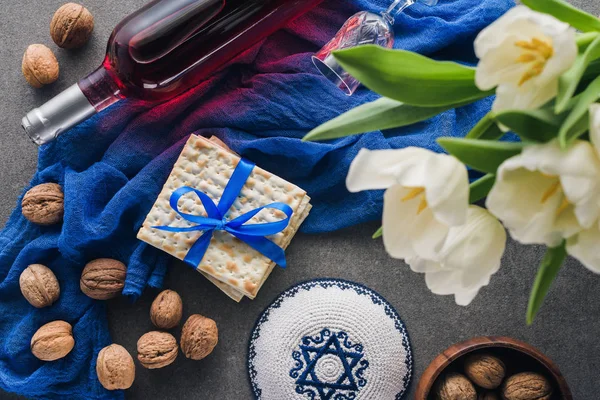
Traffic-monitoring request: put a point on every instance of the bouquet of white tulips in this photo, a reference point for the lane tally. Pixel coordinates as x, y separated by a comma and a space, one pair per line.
545, 189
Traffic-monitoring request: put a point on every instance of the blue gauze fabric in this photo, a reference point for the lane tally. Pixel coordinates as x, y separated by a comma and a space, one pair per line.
113, 166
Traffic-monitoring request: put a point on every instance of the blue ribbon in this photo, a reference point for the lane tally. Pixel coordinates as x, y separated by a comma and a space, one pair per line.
252, 234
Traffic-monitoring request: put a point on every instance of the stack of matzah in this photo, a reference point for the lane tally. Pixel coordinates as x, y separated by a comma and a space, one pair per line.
232, 265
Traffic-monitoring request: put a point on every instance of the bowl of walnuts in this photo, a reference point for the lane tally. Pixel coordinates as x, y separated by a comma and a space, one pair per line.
492, 368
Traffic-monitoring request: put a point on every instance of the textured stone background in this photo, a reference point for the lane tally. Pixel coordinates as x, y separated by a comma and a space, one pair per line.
567, 328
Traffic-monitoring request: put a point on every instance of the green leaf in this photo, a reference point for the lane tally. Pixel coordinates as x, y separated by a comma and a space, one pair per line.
585, 39
570, 80
565, 12
579, 129
592, 71
547, 272
409, 77
540, 125
380, 114
378, 233
486, 129
481, 187
482, 155
575, 124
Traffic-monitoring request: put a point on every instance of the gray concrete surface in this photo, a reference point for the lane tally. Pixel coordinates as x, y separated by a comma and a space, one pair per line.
567, 329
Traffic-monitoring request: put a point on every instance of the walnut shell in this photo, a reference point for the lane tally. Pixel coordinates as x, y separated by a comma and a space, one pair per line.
44, 204
455, 386
115, 367
103, 279
39, 66
53, 341
485, 370
157, 349
166, 310
71, 26
526, 386
39, 285
199, 336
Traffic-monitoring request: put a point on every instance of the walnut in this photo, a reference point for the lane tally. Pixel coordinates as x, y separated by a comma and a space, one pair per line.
527, 386
52, 341
199, 336
39, 66
157, 349
39, 285
488, 396
43, 204
115, 368
166, 310
103, 279
71, 26
485, 370
455, 386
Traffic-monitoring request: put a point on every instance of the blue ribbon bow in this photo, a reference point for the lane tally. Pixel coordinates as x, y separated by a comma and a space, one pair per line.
252, 234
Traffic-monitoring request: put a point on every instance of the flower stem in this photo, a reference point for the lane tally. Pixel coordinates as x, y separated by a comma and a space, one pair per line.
585, 39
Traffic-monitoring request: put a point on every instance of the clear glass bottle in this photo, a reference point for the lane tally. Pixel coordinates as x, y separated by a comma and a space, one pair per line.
160, 51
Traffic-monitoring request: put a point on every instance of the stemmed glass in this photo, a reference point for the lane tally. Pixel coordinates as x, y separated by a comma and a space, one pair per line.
362, 28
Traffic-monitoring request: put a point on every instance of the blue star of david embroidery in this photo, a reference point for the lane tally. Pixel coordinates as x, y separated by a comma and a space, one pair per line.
328, 343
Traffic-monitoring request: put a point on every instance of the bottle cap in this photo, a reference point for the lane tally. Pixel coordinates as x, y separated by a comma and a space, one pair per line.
47, 122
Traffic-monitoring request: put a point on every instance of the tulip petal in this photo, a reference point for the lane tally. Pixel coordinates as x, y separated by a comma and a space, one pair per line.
421, 265
595, 126
526, 77
471, 254
406, 232
565, 47
475, 248
448, 193
499, 66
530, 190
444, 178
492, 37
372, 170
465, 297
584, 247
443, 282
526, 97
516, 198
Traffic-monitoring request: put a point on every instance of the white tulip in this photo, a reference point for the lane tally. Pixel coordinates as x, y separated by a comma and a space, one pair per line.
470, 255
427, 193
547, 194
584, 245
595, 126
523, 54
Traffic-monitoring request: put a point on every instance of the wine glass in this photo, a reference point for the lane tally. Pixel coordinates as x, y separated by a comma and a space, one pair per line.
362, 28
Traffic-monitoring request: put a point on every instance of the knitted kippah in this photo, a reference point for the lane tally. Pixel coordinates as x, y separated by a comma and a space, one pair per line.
329, 339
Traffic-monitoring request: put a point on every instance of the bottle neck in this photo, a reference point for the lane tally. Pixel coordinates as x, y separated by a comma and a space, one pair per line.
395, 9
100, 88
90, 95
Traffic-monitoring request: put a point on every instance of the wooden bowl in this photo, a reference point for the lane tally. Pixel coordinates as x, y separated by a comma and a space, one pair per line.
518, 357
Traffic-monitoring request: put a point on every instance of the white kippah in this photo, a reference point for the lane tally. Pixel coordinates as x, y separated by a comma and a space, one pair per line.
329, 339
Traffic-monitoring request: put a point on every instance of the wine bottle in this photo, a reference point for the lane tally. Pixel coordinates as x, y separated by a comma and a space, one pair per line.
160, 51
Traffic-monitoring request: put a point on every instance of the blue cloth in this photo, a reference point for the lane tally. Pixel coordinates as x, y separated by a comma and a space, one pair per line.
113, 166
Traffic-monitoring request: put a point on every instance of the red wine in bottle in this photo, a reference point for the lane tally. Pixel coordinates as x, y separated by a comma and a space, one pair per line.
160, 51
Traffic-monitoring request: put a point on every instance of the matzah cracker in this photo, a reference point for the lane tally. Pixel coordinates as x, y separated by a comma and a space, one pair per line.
208, 167
219, 142
237, 295
297, 220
